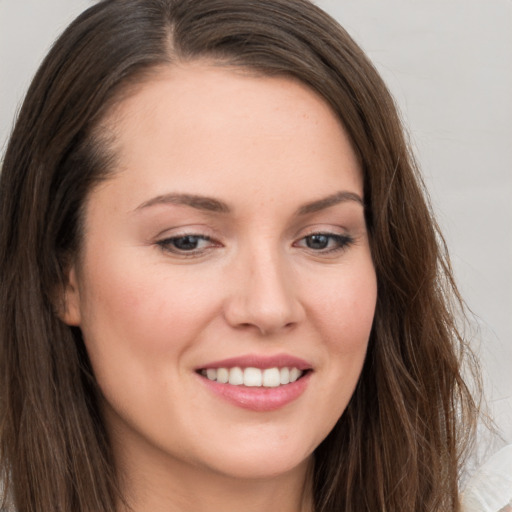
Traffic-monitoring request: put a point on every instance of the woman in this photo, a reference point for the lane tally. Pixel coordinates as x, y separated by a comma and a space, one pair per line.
222, 285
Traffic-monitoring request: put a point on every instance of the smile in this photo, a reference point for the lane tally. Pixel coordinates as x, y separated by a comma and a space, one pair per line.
253, 377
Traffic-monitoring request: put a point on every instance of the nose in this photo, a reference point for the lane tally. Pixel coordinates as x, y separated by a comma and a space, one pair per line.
264, 294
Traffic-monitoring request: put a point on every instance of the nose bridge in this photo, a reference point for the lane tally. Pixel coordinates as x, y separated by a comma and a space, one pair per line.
264, 294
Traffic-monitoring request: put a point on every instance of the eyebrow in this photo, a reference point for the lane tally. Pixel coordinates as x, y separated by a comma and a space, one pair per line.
211, 204
327, 202
199, 202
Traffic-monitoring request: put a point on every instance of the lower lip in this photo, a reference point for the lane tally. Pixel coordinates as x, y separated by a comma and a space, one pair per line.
259, 399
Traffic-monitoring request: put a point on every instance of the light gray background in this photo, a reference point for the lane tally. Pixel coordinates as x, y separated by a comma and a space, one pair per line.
449, 65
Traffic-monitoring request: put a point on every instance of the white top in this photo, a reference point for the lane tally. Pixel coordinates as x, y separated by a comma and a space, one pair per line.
490, 488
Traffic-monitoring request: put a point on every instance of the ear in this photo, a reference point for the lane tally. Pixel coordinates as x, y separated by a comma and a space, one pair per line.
69, 307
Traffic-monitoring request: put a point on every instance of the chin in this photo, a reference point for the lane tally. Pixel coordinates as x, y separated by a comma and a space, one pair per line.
263, 467
261, 461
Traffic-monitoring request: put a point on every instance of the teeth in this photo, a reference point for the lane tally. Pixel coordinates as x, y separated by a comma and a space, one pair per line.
253, 377
236, 376
294, 374
271, 377
222, 375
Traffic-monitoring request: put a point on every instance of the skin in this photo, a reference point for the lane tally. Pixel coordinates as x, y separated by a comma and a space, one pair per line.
152, 314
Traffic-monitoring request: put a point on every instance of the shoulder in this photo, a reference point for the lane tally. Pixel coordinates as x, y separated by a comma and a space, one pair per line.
490, 488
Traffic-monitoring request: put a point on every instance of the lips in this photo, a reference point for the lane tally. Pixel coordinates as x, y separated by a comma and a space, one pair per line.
257, 383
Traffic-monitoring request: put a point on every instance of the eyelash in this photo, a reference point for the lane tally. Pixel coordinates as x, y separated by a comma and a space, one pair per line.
169, 244
342, 242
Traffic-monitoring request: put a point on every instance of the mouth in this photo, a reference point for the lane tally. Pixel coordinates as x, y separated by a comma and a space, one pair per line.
252, 377
258, 383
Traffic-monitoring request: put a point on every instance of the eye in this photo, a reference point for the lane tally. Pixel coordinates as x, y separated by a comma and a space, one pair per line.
189, 244
325, 242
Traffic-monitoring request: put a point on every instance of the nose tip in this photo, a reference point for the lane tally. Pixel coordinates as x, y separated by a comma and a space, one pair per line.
267, 319
264, 298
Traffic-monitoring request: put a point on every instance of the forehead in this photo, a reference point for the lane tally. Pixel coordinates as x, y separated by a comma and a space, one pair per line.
203, 126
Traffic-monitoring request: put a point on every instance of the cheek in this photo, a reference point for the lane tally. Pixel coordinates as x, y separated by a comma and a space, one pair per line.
137, 314
345, 308
344, 312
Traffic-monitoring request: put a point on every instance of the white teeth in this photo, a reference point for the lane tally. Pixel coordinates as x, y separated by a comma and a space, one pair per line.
222, 375
236, 376
271, 377
253, 377
294, 374
284, 376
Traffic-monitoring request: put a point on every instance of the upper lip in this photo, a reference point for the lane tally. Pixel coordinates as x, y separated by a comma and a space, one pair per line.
259, 361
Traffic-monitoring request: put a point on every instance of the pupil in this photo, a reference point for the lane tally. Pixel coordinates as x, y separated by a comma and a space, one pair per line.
317, 241
186, 243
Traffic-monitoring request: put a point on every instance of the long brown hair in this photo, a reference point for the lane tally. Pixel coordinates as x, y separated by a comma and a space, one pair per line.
398, 445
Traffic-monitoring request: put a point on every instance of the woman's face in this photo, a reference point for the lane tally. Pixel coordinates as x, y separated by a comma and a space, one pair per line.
230, 244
